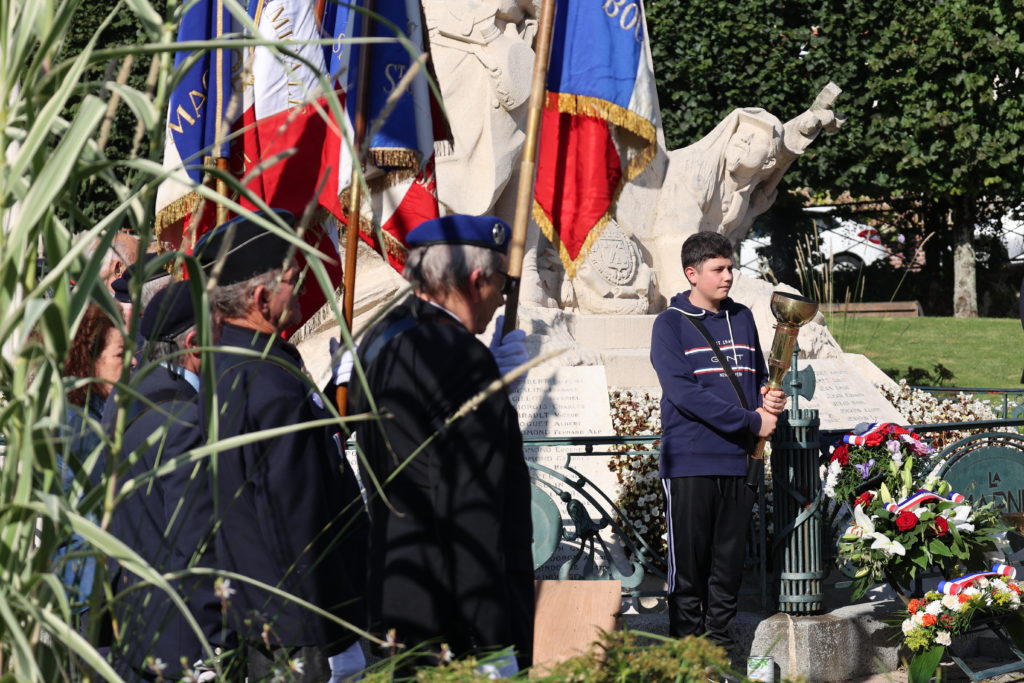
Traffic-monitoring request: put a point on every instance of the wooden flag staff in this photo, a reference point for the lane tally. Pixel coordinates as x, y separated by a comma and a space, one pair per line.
528, 165
355, 187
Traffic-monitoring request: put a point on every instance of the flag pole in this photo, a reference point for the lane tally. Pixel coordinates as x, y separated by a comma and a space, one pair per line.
221, 162
528, 165
355, 186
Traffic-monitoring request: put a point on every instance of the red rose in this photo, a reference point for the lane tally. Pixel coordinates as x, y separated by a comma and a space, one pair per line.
914, 605
906, 520
874, 439
842, 454
941, 526
864, 498
928, 620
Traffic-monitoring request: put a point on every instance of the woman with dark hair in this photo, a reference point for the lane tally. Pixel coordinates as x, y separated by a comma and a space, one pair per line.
96, 353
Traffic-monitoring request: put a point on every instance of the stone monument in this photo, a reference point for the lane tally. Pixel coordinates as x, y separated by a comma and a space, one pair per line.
482, 55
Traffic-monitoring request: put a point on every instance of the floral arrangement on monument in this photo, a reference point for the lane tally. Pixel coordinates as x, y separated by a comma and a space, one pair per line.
639, 495
899, 528
929, 624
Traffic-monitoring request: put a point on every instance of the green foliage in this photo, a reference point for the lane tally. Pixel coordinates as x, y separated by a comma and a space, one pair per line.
924, 664
933, 93
628, 656
122, 136
53, 103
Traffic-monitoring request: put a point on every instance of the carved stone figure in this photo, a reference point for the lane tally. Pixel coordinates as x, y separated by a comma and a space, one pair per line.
728, 178
483, 58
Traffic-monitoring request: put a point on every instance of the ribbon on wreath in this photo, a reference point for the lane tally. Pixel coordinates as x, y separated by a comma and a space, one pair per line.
955, 586
921, 497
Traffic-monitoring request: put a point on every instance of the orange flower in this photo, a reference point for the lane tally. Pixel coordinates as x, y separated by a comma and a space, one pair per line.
1014, 587
928, 620
914, 605
964, 598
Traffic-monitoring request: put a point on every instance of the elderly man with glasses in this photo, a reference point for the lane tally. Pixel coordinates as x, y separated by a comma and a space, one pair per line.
450, 564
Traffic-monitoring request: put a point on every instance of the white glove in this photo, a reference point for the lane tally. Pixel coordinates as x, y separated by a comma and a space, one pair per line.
341, 366
347, 665
510, 352
504, 666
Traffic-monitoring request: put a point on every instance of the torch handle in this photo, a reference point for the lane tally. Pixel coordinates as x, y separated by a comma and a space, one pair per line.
759, 449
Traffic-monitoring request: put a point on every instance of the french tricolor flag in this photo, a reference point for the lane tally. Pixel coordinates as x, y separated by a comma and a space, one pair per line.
600, 77
267, 112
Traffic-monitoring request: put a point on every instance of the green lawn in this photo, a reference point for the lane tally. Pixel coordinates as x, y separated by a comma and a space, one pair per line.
981, 352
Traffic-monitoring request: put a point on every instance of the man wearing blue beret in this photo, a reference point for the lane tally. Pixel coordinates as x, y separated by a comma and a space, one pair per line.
450, 563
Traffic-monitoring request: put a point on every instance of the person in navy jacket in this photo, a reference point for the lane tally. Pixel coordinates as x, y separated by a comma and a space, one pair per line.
707, 434
288, 508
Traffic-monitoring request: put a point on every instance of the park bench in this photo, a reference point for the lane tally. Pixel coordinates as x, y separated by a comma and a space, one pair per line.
876, 309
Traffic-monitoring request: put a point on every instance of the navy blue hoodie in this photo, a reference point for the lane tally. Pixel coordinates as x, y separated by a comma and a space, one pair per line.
705, 430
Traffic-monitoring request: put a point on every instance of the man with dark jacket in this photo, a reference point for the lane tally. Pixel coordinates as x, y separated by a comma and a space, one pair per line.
450, 540
707, 434
164, 519
287, 505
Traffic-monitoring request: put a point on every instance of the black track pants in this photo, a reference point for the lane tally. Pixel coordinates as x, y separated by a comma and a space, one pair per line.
707, 519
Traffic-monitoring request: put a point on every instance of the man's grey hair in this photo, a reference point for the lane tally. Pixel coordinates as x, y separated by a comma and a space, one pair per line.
234, 301
159, 350
440, 268
151, 288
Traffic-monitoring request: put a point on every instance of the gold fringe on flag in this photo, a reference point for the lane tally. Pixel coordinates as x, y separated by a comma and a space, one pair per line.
584, 105
388, 157
570, 264
176, 211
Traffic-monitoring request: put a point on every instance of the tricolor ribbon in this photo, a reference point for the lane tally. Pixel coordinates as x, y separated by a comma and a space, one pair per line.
861, 439
955, 586
920, 498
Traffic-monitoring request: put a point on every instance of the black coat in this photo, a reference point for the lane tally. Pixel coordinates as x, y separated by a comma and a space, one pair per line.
289, 507
451, 561
161, 519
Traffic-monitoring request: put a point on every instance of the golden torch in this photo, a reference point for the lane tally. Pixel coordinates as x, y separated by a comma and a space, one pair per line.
791, 311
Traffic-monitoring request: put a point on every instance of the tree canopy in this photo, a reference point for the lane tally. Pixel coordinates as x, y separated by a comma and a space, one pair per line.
933, 91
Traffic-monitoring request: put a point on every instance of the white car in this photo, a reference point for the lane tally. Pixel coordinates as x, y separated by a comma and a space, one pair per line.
845, 244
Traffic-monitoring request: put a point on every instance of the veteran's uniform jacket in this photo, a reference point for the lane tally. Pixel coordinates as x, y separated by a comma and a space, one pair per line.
163, 519
289, 508
450, 560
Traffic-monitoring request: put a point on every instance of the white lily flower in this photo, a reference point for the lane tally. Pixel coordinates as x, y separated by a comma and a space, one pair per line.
961, 518
887, 545
862, 520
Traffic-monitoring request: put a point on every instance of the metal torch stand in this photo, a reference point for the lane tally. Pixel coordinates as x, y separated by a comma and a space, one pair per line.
797, 546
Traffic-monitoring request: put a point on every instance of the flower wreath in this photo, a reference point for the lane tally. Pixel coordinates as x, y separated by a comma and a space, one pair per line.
929, 624
898, 528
